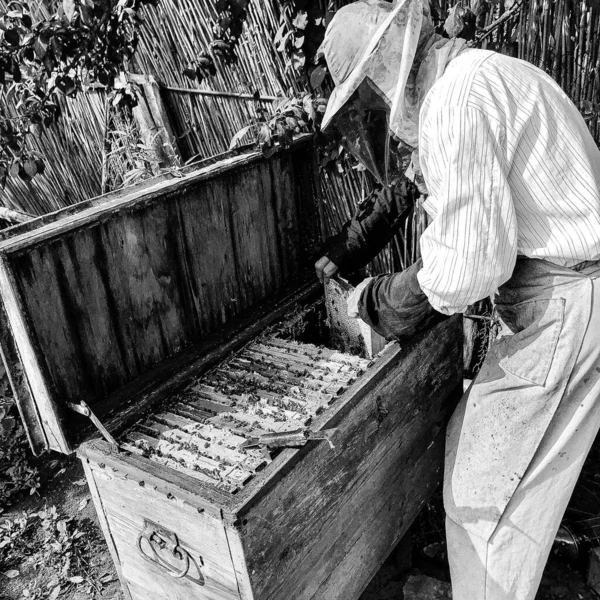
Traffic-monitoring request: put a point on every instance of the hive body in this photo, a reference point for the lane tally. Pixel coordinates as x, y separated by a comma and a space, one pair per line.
308, 523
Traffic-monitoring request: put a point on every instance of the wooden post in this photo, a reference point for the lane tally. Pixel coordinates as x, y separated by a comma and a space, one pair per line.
153, 121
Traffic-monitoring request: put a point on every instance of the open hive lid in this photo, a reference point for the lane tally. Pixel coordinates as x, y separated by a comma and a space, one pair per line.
96, 299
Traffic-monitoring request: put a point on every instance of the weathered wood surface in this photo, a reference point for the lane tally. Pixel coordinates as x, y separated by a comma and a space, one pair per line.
111, 292
21, 390
318, 522
125, 504
322, 520
105, 526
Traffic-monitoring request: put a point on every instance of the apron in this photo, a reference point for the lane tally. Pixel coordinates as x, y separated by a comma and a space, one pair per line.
501, 420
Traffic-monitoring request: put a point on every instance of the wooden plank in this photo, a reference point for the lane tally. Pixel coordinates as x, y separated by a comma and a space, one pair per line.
97, 343
126, 505
51, 414
147, 473
104, 526
142, 278
239, 563
309, 240
105, 207
370, 538
318, 495
254, 244
286, 210
20, 386
209, 255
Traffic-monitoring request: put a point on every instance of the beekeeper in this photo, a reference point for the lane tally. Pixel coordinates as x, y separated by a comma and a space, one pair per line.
513, 182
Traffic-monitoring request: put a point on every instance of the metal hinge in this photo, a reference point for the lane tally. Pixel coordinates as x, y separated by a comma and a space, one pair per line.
83, 409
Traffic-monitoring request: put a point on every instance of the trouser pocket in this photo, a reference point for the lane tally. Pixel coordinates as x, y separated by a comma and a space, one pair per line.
535, 326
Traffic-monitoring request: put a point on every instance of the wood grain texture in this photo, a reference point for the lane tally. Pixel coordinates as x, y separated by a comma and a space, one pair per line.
113, 292
20, 386
167, 482
51, 413
126, 505
317, 522
323, 498
105, 207
105, 526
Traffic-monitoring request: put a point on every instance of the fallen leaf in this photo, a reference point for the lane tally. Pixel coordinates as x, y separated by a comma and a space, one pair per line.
11, 574
60, 472
76, 579
80, 482
107, 578
55, 593
83, 504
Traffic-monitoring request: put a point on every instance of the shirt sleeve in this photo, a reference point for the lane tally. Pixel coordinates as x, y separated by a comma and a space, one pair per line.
470, 247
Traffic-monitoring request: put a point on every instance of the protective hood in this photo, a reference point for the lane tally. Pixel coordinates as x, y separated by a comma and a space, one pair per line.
383, 57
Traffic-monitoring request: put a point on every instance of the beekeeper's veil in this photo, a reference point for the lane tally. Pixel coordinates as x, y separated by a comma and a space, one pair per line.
383, 58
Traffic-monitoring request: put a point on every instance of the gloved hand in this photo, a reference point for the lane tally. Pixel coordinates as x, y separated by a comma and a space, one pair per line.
354, 297
325, 268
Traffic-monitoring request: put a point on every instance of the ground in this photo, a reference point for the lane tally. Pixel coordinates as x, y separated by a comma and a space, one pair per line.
61, 530
59, 552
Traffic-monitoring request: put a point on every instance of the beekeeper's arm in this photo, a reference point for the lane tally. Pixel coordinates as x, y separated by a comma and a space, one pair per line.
470, 248
378, 219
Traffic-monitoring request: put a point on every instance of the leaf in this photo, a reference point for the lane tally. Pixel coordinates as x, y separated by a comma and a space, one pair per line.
283, 43
300, 20
190, 72
318, 76
12, 37
55, 593
30, 167
454, 23
298, 59
237, 138
264, 135
83, 504
309, 109
478, 7
69, 8
279, 35
62, 526
11, 574
76, 579
238, 7
80, 482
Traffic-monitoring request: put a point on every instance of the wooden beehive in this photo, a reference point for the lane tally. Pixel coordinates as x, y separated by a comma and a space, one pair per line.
158, 309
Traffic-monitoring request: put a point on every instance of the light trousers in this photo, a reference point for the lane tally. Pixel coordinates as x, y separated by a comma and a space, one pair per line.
503, 558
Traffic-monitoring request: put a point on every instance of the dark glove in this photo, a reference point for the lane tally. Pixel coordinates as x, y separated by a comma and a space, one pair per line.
396, 307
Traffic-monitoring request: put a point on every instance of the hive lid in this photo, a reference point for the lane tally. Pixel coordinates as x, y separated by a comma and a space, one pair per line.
95, 299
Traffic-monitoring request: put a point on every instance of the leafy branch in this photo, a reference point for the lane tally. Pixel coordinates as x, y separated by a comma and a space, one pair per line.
84, 43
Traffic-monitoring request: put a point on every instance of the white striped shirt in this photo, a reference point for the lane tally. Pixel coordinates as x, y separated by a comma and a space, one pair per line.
511, 169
